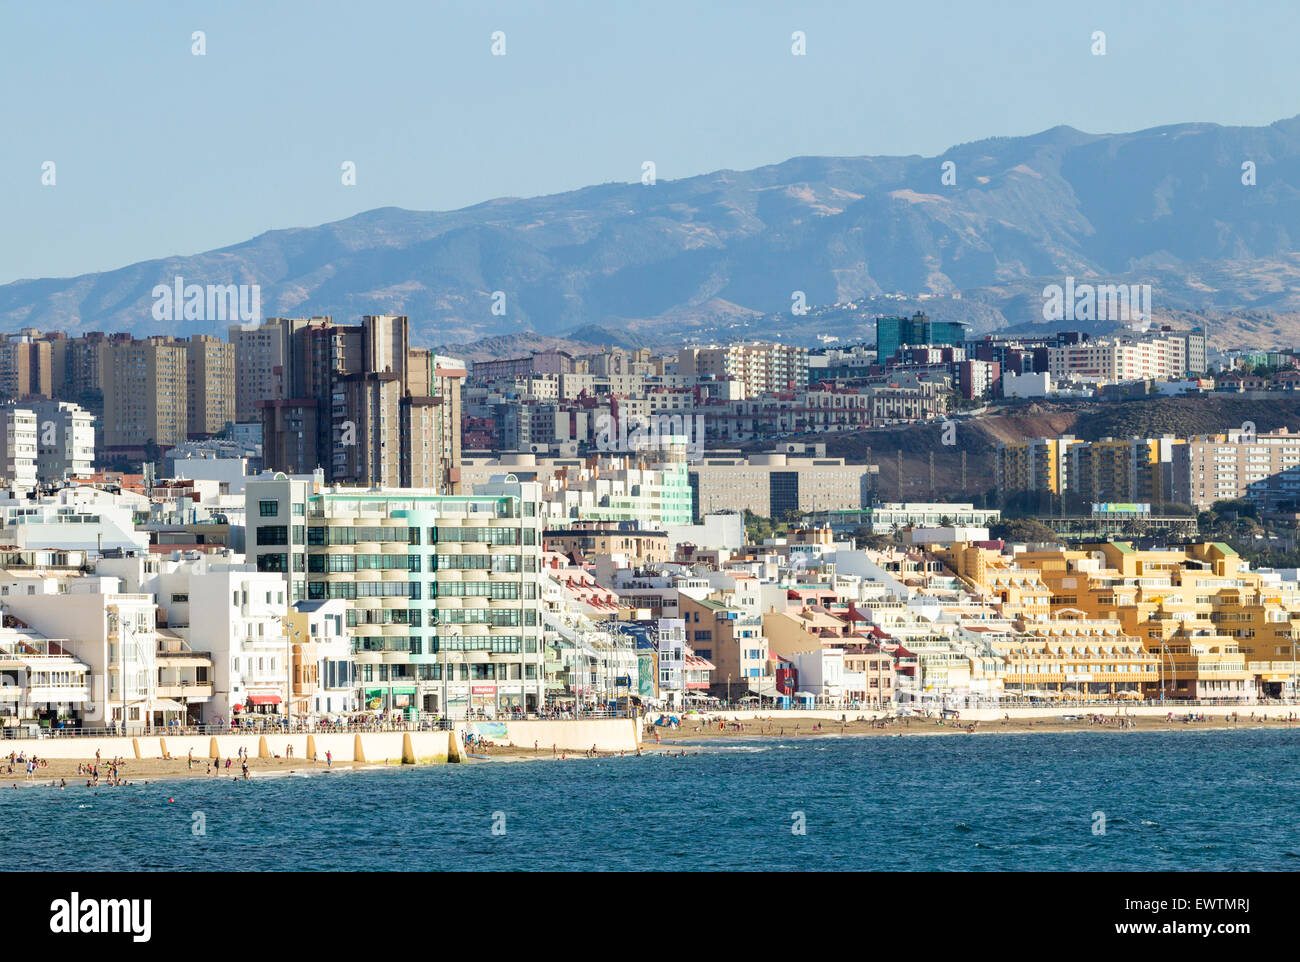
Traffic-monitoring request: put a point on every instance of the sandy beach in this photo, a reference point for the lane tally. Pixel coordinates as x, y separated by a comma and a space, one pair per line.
813, 728
137, 771
140, 771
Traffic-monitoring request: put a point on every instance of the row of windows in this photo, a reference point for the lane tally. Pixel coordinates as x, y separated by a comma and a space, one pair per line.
496, 617
351, 535
280, 562
415, 644
499, 590
334, 563
278, 534
454, 672
491, 535
341, 535
384, 616
501, 563
319, 590
342, 563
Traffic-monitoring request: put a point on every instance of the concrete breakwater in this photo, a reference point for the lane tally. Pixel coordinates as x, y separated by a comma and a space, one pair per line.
409, 748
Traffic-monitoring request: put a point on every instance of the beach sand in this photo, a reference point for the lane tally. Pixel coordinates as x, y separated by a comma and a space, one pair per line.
138, 771
785, 727
141, 770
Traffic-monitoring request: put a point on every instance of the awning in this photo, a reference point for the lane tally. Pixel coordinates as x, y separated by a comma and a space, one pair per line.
165, 704
264, 699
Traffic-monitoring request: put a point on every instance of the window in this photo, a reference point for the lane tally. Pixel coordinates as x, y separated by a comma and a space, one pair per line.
274, 534
268, 509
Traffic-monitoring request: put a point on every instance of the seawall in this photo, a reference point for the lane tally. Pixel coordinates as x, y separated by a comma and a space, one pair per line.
415, 747
606, 734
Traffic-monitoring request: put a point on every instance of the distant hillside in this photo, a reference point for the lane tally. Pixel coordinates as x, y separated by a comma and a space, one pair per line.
725, 253
1153, 417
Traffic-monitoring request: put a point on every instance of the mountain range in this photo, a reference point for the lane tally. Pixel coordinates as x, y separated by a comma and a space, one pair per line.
725, 252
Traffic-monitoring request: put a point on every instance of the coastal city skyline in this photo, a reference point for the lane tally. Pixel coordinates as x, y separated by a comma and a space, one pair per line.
734, 439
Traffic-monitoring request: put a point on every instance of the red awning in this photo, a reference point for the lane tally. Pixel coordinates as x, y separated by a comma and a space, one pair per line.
264, 699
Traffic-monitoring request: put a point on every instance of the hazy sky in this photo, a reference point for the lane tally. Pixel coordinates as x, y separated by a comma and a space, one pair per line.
158, 151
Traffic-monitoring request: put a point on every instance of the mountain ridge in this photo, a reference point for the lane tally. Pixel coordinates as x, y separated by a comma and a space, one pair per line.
1165, 206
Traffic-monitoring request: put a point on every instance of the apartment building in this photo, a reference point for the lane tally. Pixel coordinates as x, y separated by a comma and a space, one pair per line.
44, 685
239, 616
362, 405
444, 590
18, 447
26, 366
772, 484
732, 640
146, 393
649, 492
65, 440
82, 376
761, 367
1125, 470
888, 516
587, 539
1037, 464
1160, 357
1094, 658
261, 354
111, 632
324, 672
1218, 631
1237, 464
209, 385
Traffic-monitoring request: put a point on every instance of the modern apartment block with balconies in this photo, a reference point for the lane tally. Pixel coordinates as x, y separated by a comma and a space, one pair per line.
443, 591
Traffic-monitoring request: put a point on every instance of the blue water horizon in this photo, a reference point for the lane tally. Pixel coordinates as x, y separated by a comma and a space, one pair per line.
1180, 801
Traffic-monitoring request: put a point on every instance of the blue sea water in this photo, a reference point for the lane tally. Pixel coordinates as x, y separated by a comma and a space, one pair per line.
1172, 801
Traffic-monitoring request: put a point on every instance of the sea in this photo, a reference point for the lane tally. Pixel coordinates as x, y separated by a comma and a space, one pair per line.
1101, 801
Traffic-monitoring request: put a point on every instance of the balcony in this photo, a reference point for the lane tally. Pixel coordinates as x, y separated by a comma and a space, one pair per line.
183, 690
50, 694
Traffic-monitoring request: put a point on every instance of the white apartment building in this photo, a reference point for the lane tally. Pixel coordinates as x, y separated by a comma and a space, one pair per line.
322, 624
18, 448
1108, 360
41, 684
76, 518
238, 616
65, 440
112, 632
761, 367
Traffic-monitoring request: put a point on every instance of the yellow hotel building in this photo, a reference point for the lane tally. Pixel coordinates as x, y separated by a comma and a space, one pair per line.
1219, 631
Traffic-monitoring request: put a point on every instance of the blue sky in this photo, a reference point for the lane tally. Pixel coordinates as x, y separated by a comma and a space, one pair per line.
159, 152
